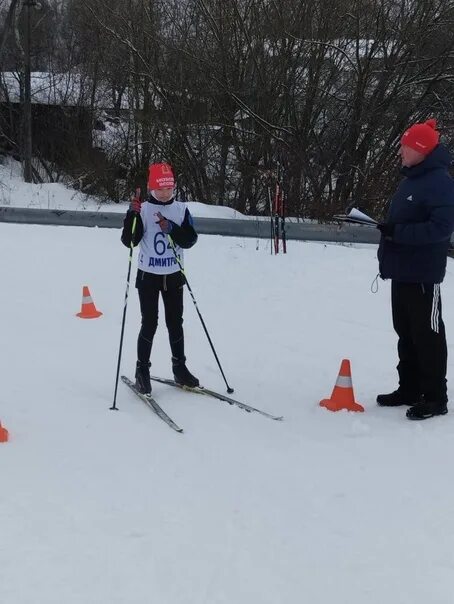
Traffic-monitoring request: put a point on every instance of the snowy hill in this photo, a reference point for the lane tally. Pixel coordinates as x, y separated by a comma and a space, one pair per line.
14, 192
102, 507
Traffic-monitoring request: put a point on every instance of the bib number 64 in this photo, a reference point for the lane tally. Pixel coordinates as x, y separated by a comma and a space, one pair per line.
160, 243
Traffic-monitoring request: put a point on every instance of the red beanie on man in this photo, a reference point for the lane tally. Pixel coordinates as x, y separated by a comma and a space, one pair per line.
160, 176
422, 137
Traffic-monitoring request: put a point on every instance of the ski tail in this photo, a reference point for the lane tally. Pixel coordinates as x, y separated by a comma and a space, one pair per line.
153, 405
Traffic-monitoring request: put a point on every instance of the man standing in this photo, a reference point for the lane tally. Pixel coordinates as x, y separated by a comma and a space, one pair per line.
413, 253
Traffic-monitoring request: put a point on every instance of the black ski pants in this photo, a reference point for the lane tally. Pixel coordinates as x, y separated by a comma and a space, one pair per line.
422, 349
170, 287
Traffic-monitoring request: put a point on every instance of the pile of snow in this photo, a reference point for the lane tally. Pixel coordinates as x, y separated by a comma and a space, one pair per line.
102, 507
203, 210
14, 192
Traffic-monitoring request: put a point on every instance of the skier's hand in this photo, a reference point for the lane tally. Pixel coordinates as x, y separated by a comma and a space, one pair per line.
136, 203
165, 225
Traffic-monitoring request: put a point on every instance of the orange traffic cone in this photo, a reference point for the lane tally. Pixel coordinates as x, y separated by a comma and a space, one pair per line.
4, 435
88, 310
343, 396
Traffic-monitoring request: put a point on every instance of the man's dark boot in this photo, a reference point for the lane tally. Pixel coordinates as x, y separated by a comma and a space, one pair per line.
182, 375
427, 409
143, 383
398, 398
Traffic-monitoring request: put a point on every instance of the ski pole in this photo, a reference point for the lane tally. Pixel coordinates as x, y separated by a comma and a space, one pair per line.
283, 232
172, 245
271, 220
276, 218
131, 249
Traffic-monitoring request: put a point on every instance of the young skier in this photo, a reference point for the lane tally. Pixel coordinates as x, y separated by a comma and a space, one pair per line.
158, 217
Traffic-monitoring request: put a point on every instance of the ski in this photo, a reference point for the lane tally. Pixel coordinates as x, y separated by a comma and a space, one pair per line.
216, 395
153, 405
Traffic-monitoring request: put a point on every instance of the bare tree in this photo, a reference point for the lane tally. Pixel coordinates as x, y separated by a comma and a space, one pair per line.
235, 93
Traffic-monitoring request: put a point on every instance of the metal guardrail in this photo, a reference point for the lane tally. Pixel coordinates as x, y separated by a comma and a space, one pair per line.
302, 231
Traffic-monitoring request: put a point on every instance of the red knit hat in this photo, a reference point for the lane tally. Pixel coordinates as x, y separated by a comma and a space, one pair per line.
421, 137
160, 176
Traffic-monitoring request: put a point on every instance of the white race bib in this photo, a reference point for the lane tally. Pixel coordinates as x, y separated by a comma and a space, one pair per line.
155, 252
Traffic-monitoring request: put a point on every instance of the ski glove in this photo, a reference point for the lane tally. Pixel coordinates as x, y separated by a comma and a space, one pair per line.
386, 229
135, 204
165, 225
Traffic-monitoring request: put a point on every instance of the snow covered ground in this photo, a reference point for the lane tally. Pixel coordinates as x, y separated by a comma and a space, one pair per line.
103, 507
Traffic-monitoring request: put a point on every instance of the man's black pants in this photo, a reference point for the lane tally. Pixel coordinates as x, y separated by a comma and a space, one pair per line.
170, 287
422, 349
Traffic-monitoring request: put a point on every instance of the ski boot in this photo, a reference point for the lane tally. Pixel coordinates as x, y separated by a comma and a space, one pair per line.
182, 375
143, 383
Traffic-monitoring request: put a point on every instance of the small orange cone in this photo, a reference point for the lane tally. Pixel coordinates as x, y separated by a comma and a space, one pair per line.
343, 396
88, 310
4, 435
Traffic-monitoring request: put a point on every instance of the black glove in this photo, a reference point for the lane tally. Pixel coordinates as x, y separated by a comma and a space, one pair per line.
386, 229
